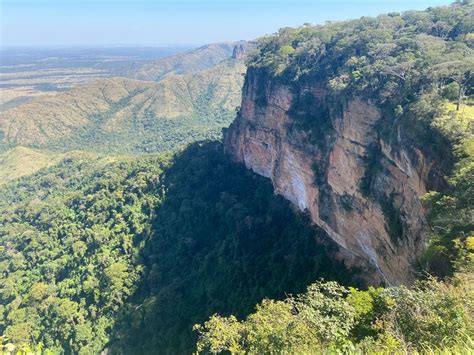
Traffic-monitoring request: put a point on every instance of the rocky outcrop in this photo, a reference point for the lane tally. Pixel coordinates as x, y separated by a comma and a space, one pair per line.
242, 49
330, 160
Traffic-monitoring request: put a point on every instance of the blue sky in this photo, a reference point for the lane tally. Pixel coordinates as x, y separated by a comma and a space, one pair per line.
163, 22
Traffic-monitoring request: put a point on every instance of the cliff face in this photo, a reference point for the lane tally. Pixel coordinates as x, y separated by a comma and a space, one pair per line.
331, 161
242, 50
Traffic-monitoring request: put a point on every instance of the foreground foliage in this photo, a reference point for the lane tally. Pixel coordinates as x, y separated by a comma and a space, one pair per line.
331, 318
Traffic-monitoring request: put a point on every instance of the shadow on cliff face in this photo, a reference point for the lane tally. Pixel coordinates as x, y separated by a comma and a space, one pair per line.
221, 242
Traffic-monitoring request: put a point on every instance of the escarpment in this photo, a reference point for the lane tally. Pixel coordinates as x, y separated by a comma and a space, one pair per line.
328, 157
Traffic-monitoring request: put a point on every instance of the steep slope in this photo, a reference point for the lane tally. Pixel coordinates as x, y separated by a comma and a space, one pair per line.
338, 117
261, 140
122, 115
204, 94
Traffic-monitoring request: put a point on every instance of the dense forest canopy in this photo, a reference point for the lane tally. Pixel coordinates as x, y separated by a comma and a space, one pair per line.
71, 238
133, 252
393, 56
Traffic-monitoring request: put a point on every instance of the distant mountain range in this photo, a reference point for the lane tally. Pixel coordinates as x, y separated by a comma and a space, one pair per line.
187, 96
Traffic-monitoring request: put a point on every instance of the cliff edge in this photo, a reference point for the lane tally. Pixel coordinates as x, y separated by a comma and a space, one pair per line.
361, 189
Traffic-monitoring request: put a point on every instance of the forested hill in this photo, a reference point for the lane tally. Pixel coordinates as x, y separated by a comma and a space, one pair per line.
416, 69
194, 98
125, 116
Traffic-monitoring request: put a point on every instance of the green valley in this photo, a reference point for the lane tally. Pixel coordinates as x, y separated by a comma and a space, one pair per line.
310, 192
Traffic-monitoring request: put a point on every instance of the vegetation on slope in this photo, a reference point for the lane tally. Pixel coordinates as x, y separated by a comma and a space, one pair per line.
21, 161
433, 316
122, 116
451, 246
130, 254
390, 55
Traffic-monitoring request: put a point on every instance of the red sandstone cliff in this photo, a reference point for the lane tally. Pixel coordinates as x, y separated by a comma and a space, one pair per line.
381, 228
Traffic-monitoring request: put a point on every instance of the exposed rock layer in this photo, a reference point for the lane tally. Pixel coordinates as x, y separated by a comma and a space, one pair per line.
323, 167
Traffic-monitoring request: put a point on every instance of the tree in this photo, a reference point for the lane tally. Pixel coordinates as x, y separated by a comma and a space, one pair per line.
459, 72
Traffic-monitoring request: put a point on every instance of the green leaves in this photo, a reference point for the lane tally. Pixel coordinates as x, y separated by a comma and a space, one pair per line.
388, 58
325, 311
72, 249
219, 334
331, 318
433, 313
